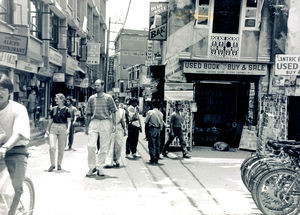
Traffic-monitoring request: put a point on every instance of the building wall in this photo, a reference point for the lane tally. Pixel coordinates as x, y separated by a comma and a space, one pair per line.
130, 50
42, 61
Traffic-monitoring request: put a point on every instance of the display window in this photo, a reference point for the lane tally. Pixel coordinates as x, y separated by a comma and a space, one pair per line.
30, 90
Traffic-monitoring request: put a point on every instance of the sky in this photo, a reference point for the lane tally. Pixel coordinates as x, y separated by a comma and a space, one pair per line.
137, 19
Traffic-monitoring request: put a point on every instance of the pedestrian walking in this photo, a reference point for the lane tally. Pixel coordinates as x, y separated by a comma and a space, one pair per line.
58, 129
15, 135
133, 127
154, 123
176, 131
101, 122
117, 138
73, 111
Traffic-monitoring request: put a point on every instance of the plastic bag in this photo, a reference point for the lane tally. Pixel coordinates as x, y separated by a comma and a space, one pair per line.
6, 191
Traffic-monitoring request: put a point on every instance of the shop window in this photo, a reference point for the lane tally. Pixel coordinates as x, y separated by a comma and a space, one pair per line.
5, 11
54, 30
138, 74
226, 16
71, 40
20, 12
202, 12
35, 19
251, 14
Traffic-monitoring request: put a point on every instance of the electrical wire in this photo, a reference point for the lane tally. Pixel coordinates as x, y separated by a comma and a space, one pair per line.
126, 14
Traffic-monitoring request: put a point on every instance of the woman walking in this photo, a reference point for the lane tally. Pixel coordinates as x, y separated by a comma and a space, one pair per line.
134, 127
58, 130
117, 138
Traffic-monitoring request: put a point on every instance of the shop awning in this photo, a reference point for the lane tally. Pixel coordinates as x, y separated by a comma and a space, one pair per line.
80, 70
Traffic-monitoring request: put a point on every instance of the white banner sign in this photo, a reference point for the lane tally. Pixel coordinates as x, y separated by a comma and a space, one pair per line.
287, 65
198, 67
7, 59
93, 53
179, 95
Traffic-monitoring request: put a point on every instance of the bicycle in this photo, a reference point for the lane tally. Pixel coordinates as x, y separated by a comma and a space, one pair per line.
26, 204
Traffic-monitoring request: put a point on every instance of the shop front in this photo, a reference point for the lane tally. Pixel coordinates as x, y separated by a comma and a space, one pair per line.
30, 88
226, 97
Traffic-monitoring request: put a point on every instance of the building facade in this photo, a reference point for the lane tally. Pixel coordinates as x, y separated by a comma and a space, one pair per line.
222, 54
130, 49
44, 48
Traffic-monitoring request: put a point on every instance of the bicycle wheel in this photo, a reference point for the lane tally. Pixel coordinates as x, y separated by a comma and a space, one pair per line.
278, 193
27, 200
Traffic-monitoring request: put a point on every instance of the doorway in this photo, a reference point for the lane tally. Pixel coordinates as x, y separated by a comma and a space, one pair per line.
294, 118
222, 108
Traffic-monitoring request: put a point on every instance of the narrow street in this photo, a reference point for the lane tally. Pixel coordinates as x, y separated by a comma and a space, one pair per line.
208, 183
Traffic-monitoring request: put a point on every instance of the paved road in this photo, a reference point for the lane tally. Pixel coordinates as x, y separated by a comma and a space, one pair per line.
207, 184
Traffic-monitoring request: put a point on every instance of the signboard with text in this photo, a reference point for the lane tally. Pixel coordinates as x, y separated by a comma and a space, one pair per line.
58, 77
93, 53
7, 59
158, 20
287, 64
13, 43
198, 67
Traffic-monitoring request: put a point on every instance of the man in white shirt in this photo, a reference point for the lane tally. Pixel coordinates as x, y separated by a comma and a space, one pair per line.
13, 153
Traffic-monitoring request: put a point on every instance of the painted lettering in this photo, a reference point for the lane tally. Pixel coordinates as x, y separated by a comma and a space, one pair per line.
287, 66
233, 66
211, 66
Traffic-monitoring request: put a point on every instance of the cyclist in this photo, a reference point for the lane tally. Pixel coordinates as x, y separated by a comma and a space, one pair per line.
15, 125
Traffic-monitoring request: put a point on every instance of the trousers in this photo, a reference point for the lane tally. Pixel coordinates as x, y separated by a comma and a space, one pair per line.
103, 130
58, 136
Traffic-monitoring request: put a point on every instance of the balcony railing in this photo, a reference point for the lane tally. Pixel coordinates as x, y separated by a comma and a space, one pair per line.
224, 46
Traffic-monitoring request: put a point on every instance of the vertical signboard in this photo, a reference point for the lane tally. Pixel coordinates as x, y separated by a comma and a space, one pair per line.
93, 53
158, 20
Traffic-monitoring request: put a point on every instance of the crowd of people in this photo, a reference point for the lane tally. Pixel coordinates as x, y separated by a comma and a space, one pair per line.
107, 123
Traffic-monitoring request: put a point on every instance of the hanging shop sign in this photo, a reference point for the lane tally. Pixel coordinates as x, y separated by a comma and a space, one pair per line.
28, 67
55, 57
69, 81
7, 59
158, 20
287, 64
58, 77
197, 67
179, 91
84, 83
13, 43
71, 66
93, 53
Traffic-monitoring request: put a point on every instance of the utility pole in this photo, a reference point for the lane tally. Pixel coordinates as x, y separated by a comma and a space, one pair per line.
107, 57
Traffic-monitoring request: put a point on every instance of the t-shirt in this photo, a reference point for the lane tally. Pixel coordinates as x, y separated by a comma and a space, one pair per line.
133, 116
15, 120
176, 120
60, 115
101, 107
154, 118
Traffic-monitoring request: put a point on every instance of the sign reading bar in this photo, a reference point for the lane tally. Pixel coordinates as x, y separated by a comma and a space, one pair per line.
158, 20
197, 67
287, 64
13, 43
